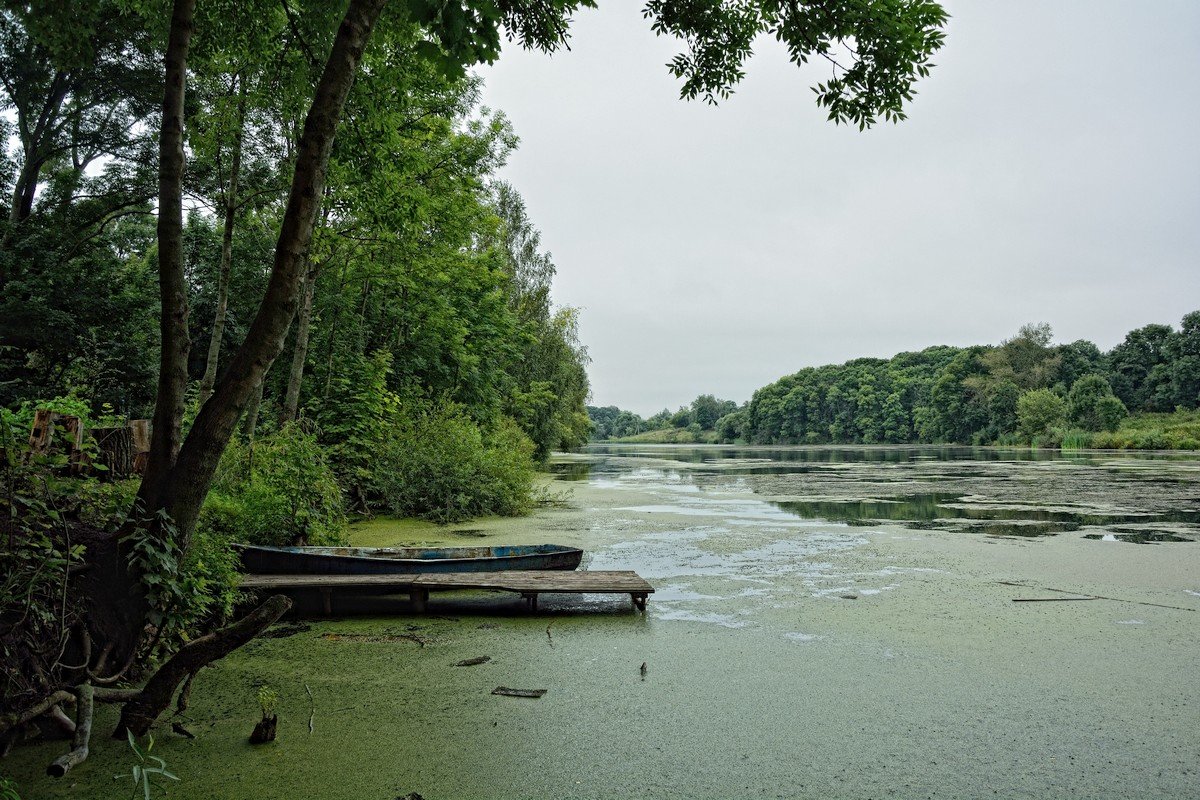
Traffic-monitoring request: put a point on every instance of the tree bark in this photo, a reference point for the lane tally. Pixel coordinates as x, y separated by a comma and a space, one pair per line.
139, 713
166, 429
291, 402
250, 423
189, 480
235, 168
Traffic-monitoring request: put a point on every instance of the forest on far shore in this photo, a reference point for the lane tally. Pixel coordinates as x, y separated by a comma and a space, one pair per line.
1142, 394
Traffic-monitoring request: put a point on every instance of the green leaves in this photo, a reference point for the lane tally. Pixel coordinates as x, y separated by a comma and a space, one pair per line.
876, 49
147, 767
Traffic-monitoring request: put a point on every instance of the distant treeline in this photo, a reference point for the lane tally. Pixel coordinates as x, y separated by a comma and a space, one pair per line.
1025, 390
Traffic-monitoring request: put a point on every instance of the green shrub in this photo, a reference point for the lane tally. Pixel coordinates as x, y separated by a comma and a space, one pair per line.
279, 490
1038, 411
1109, 411
437, 464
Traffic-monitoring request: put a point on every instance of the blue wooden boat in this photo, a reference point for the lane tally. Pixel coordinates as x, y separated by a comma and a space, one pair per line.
404, 560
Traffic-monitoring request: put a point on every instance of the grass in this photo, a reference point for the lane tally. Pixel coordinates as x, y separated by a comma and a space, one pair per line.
670, 436
1178, 430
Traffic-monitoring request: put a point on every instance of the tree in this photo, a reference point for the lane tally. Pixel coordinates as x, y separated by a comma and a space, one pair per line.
706, 410
1184, 353
1039, 410
1087, 407
1137, 368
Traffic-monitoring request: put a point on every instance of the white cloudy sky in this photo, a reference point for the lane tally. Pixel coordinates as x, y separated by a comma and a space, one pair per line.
1049, 171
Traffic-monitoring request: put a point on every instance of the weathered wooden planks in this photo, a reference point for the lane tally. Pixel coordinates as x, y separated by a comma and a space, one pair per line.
528, 583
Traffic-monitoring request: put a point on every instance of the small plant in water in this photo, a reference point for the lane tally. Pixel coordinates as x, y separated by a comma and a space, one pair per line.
268, 701
8, 789
143, 771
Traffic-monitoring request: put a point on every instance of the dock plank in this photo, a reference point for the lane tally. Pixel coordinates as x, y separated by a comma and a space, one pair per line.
527, 583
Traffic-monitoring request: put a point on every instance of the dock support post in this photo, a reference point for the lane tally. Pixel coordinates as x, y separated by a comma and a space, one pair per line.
419, 598
531, 599
639, 602
327, 600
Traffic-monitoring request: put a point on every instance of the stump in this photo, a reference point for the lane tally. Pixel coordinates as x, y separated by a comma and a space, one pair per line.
42, 438
264, 731
116, 451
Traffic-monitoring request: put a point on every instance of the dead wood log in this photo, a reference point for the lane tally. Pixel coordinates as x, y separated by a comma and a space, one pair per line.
83, 735
15, 718
141, 712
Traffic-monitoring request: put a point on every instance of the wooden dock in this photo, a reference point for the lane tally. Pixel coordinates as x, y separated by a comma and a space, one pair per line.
527, 583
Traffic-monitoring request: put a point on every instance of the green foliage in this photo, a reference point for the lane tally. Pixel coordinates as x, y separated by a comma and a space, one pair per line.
1087, 407
732, 426
1039, 410
436, 463
706, 410
277, 490
971, 395
353, 417
268, 701
1109, 411
36, 554
8, 789
147, 767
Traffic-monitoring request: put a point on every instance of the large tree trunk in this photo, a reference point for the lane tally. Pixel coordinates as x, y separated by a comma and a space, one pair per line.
167, 423
291, 401
231, 205
184, 491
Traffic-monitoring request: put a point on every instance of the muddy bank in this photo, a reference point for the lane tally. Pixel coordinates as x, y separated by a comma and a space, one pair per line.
787, 656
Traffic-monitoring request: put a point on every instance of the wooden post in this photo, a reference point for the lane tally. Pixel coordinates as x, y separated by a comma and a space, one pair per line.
419, 598
327, 600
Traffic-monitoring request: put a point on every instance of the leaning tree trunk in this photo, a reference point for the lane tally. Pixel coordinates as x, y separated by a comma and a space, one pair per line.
184, 491
167, 425
235, 168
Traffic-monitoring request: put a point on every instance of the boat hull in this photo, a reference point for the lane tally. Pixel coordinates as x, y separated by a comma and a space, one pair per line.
404, 560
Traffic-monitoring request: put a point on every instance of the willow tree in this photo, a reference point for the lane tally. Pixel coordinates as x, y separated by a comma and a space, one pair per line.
877, 50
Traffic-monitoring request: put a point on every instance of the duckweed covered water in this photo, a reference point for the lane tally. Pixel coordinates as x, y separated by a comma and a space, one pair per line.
789, 653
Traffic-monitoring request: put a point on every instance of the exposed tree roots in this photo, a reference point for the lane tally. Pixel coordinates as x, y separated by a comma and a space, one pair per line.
143, 706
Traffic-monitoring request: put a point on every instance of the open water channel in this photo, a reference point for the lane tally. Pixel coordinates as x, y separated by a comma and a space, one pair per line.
832, 622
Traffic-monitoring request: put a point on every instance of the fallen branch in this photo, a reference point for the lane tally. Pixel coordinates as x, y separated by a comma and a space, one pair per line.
141, 712
83, 734
473, 662
507, 692
13, 719
1049, 599
312, 708
1097, 597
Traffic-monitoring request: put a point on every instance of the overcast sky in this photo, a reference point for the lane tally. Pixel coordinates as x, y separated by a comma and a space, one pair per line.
1049, 171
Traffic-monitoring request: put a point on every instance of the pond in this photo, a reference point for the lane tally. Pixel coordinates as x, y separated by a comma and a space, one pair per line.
828, 622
